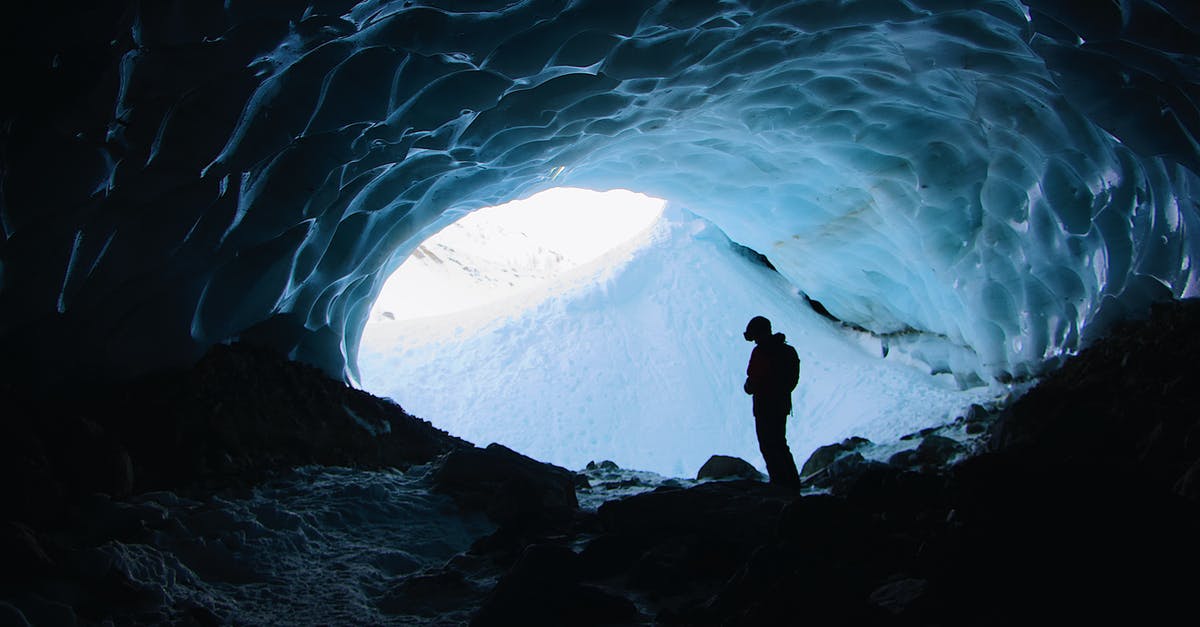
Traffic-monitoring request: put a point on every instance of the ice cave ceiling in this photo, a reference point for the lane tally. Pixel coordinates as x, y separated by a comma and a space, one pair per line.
1006, 176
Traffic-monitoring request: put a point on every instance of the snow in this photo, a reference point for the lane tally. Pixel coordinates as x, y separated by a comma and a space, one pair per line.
497, 252
637, 357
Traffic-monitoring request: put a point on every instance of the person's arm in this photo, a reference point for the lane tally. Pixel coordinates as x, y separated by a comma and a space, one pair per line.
755, 372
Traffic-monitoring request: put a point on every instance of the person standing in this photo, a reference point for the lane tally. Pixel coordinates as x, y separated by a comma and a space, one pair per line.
771, 375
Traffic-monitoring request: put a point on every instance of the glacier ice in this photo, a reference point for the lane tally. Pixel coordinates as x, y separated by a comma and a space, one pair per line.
988, 182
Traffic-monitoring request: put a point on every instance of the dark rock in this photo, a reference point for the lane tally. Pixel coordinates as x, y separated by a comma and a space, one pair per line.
23, 553
940, 449
508, 486
238, 414
934, 451
1121, 402
433, 594
544, 588
818, 516
897, 493
977, 413
826, 455
609, 554
920, 434
842, 472
10, 615
670, 568
1188, 485
737, 510
725, 467
905, 459
899, 596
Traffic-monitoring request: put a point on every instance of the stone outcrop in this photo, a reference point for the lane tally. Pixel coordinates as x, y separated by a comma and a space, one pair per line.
726, 467
510, 487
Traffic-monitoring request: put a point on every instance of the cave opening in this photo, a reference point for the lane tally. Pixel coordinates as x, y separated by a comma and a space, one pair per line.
579, 326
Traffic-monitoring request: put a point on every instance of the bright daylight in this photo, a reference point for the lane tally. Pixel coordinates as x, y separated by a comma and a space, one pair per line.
578, 325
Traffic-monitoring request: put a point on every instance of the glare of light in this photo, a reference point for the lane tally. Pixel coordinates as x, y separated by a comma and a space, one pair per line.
496, 252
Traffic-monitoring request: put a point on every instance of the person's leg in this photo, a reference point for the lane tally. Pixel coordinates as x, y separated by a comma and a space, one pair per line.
772, 442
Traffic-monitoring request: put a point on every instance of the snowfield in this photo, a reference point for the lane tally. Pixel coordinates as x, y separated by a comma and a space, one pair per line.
634, 355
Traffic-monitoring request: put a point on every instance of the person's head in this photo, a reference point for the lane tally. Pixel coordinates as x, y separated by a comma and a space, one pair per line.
759, 328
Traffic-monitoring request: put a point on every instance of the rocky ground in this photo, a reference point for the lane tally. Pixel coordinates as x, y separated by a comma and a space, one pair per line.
1077, 502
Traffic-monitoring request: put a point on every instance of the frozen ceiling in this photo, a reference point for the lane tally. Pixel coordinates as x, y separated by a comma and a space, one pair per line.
1005, 177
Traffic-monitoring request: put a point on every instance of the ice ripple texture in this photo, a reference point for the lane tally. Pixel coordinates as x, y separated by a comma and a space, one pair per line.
962, 171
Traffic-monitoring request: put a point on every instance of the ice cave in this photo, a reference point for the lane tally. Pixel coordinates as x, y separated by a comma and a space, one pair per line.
939, 201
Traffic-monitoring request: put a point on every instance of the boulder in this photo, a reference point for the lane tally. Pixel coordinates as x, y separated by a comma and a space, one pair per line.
507, 485
735, 511
826, 455
726, 467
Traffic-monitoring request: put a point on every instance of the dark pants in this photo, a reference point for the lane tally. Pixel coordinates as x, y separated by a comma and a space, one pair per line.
772, 441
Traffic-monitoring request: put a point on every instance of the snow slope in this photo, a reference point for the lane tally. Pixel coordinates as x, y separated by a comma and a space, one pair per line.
638, 357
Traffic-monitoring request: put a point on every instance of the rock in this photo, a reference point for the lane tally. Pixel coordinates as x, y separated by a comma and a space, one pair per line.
508, 486
23, 553
10, 615
934, 451
725, 467
977, 413
900, 595
433, 594
939, 450
826, 455
977, 419
905, 459
544, 588
669, 568
738, 511
609, 554
1188, 485
839, 473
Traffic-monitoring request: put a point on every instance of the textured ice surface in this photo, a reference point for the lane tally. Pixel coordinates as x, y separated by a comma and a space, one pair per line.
638, 357
318, 546
1004, 176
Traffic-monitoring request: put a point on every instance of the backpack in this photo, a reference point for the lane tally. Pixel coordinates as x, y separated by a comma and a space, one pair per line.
785, 363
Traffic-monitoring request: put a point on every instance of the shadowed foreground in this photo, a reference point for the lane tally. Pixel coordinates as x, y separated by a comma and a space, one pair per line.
1082, 505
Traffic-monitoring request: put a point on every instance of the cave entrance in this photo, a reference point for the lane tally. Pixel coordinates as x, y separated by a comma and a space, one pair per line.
579, 326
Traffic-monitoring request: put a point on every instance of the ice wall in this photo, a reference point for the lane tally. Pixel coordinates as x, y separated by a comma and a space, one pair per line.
992, 177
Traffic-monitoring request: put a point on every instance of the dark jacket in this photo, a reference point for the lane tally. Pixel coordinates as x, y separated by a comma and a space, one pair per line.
771, 396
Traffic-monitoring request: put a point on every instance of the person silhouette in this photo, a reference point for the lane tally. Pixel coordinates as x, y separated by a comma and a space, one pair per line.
771, 376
